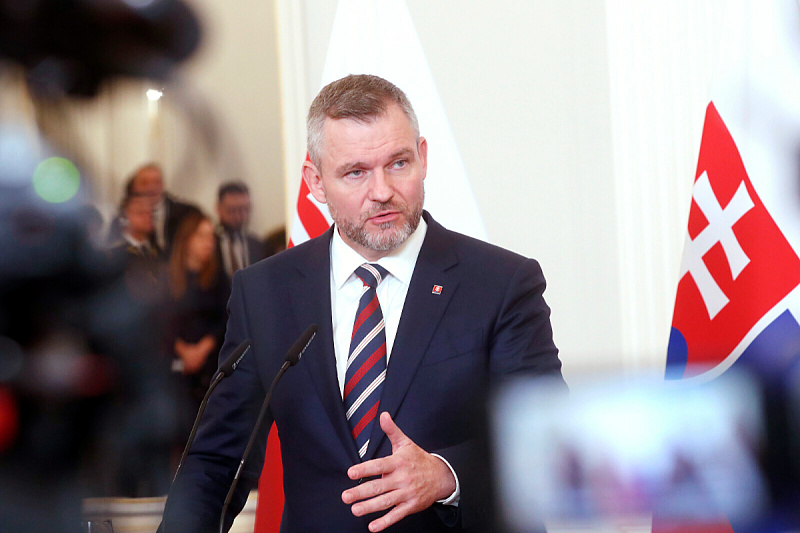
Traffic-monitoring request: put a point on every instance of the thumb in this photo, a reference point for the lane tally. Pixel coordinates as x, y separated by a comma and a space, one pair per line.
395, 434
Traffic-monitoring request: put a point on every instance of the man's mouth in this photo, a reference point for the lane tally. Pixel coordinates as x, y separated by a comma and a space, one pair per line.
384, 216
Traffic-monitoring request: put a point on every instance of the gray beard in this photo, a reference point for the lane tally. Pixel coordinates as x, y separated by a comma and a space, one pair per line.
390, 237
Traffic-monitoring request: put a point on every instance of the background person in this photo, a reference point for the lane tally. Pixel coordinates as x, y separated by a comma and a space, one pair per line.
198, 290
148, 182
236, 247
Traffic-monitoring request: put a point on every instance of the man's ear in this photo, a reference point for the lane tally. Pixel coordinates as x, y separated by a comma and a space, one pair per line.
313, 179
422, 149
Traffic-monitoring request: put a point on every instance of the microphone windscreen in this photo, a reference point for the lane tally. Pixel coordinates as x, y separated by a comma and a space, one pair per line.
234, 358
300, 345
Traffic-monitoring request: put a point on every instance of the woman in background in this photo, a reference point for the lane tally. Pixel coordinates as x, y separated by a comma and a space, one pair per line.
200, 292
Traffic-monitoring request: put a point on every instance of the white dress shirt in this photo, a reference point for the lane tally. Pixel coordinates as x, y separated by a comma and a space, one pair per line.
159, 223
240, 249
346, 292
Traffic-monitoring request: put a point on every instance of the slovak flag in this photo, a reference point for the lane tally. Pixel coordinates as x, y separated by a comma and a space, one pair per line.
738, 299
738, 267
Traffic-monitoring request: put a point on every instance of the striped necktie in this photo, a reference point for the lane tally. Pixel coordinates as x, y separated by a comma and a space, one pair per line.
366, 363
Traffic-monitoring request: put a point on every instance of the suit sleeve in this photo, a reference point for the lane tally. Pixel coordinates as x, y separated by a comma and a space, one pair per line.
195, 500
521, 344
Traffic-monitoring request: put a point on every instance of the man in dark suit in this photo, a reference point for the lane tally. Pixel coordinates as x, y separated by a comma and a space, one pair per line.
236, 247
136, 249
377, 422
148, 182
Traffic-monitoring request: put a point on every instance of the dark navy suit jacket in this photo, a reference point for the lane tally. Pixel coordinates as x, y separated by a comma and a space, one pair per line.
489, 322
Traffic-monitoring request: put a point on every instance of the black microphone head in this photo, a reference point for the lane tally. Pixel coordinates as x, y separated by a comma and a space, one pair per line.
300, 345
234, 358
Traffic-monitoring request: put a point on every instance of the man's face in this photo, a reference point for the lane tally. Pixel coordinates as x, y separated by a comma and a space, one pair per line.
139, 213
149, 183
234, 210
371, 177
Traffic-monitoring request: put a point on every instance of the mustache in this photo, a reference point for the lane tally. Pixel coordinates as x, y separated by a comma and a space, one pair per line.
384, 206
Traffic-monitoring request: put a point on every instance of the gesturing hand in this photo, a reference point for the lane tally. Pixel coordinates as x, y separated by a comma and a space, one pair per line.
411, 480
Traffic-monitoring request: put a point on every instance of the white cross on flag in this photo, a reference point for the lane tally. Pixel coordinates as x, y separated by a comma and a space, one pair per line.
738, 297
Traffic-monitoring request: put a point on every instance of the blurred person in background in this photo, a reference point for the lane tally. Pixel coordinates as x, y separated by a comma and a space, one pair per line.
80, 384
199, 292
135, 246
145, 284
148, 182
236, 247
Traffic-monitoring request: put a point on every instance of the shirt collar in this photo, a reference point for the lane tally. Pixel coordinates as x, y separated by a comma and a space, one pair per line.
133, 242
399, 262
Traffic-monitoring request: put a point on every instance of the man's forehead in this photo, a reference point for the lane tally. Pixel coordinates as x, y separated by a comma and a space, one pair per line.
235, 197
147, 177
150, 172
348, 134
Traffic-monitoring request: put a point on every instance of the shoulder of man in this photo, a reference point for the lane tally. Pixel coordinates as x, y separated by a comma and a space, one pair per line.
305, 256
470, 250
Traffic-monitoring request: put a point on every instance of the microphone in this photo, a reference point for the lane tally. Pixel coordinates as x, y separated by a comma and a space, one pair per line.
225, 370
292, 357
233, 360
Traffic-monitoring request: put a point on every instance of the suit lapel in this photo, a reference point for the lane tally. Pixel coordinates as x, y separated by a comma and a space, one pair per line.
311, 303
422, 311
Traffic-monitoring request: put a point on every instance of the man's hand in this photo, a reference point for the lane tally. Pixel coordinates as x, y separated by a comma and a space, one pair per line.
411, 480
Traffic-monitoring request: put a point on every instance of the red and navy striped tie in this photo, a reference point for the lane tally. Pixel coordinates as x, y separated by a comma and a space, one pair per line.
366, 363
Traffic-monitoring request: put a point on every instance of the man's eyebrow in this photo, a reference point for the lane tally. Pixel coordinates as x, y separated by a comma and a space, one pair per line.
347, 167
403, 152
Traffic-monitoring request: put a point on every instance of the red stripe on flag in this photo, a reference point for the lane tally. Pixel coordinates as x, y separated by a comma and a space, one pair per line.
310, 216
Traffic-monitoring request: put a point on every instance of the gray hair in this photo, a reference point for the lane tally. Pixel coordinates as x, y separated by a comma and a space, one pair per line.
359, 97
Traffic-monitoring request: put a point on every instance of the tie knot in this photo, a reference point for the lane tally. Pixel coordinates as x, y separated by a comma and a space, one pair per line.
371, 274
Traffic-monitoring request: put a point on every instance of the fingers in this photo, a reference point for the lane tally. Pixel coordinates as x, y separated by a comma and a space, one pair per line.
396, 436
404, 483
390, 518
375, 467
396, 500
366, 490
380, 502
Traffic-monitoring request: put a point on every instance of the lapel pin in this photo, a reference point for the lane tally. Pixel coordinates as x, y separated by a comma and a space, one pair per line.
437, 289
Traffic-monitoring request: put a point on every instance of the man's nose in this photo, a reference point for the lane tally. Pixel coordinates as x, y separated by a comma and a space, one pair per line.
381, 190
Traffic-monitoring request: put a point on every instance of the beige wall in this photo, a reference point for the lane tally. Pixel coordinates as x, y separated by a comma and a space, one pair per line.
237, 72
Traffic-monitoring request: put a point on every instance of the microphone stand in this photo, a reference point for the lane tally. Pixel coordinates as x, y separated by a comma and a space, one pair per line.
284, 367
